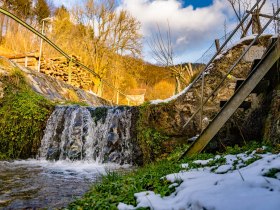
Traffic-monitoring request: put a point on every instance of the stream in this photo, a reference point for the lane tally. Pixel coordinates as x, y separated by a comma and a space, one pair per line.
79, 145
36, 184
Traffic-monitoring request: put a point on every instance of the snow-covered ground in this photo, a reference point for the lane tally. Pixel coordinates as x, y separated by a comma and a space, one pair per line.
237, 182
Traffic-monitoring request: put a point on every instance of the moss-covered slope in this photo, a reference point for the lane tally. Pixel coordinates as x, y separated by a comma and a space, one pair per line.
23, 116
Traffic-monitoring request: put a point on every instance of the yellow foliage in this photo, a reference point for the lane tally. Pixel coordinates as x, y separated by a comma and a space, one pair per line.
20, 40
162, 90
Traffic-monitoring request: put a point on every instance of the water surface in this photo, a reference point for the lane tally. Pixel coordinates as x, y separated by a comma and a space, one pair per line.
44, 184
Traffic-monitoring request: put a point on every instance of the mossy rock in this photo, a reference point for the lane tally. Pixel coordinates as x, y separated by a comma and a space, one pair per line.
23, 117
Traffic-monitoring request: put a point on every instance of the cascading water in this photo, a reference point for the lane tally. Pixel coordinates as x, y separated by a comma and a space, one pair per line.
76, 144
103, 134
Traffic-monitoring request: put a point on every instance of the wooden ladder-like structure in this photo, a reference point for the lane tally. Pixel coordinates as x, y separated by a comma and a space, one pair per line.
253, 83
268, 62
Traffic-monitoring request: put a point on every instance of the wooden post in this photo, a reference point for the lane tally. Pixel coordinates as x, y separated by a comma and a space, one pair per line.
217, 43
100, 89
36, 64
201, 101
256, 24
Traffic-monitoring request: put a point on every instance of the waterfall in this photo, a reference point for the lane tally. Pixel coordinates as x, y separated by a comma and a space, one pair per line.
102, 134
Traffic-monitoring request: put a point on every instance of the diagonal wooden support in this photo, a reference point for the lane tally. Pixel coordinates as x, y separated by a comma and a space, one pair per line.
265, 15
236, 100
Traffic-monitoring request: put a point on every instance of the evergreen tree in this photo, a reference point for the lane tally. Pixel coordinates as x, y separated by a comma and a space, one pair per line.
22, 8
41, 10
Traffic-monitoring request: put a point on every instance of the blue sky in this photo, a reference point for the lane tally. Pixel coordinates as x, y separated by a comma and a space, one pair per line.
194, 23
194, 3
197, 3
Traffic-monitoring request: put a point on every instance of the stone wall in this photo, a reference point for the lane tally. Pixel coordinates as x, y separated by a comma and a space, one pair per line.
170, 118
53, 89
272, 126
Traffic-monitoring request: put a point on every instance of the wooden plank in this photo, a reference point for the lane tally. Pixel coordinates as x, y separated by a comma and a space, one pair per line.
241, 94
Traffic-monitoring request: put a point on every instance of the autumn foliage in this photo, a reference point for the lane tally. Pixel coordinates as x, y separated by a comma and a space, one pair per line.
106, 39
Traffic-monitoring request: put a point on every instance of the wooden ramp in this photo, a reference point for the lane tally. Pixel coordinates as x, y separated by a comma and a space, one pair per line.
258, 72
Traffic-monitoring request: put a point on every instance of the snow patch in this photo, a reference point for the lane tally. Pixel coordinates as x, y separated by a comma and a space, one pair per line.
246, 188
185, 165
157, 101
202, 162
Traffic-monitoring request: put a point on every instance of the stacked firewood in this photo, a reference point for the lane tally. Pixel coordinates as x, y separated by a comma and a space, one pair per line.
58, 68
62, 69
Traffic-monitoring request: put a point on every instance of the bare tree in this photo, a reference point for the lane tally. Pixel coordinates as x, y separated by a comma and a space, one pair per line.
163, 53
239, 7
107, 33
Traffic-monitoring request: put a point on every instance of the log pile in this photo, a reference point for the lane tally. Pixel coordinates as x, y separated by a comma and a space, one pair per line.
60, 68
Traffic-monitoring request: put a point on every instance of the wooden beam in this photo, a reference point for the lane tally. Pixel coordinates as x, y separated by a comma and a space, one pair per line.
217, 43
265, 16
235, 101
19, 56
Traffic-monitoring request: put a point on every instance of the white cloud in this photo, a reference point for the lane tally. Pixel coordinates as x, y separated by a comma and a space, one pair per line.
193, 30
190, 28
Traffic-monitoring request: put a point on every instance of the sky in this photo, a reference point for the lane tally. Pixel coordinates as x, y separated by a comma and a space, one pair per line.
197, 3
194, 24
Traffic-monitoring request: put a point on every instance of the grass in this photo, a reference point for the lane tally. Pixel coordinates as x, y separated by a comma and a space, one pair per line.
116, 187
272, 173
121, 187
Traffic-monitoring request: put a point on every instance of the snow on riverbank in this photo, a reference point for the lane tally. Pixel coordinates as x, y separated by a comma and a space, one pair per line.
221, 183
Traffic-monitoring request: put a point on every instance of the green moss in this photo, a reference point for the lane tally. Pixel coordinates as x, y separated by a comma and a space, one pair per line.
151, 140
99, 113
155, 134
272, 173
23, 116
74, 103
253, 145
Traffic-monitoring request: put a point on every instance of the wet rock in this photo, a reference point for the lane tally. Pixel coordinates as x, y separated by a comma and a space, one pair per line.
85, 134
53, 153
272, 125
